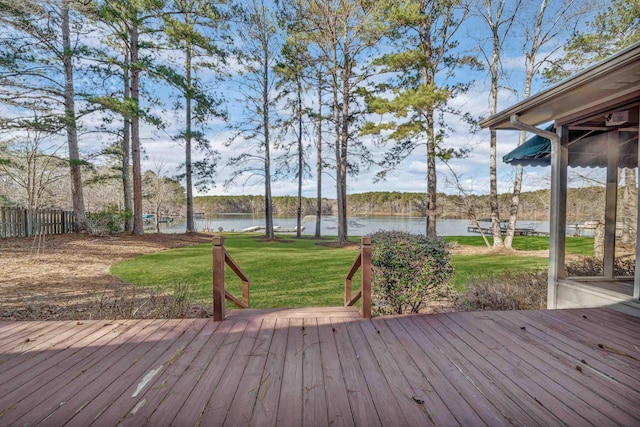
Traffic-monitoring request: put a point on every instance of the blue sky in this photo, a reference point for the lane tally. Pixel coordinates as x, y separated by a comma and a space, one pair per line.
410, 176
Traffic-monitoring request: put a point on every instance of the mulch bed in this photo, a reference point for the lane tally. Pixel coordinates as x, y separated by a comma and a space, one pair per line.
66, 277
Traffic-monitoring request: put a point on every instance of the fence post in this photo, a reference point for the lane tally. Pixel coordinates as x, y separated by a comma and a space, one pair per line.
366, 276
218, 278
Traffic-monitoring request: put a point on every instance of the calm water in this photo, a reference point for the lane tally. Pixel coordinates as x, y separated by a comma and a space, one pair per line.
358, 226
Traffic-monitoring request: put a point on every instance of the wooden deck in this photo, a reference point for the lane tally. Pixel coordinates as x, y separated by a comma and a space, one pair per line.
573, 367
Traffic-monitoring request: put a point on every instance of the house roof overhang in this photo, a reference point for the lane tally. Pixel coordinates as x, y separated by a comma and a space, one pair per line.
613, 81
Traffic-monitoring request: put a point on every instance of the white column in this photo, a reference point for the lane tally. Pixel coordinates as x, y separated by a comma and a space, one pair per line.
611, 202
558, 217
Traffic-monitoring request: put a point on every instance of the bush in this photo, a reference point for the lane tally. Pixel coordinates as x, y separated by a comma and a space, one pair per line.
506, 291
592, 266
409, 270
108, 221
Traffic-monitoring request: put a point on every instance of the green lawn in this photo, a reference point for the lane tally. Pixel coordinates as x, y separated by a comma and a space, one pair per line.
296, 273
468, 266
575, 245
301, 273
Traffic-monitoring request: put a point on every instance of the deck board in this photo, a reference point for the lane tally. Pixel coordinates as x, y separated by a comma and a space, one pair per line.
542, 389
21, 368
596, 335
290, 402
561, 382
561, 364
265, 408
613, 364
325, 367
361, 402
339, 411
487, 380
446, 372
207, 379
314, 401
434, 408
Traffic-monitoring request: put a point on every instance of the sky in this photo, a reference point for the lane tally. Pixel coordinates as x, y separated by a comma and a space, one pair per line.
410, 176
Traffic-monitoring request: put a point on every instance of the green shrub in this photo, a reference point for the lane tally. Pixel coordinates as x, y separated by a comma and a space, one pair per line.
505, 291
409, 270
108, 221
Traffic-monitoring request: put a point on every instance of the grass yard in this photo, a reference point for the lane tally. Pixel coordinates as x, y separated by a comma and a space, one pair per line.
575, 245
295, 273
303, 273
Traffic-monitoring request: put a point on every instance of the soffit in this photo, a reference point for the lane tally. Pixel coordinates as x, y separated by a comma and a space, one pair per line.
614, 80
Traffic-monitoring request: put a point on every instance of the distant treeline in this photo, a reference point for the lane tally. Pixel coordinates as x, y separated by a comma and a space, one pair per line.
282, 205
534, 206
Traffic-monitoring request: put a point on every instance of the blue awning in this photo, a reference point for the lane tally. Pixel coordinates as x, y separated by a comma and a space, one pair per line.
587, 148
536, 151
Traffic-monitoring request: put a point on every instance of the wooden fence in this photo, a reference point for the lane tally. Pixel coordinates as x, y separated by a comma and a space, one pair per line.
20, 222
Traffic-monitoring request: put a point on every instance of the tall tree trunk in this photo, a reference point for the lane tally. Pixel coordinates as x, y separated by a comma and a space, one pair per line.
517, 183
126, 150
319, 160
138, 226
268, 205
496, 229
343, 233
338, 128
432, 184
515, 202
187, 141
300, 160
71, 125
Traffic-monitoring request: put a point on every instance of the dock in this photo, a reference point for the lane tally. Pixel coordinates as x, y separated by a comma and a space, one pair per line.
503, 230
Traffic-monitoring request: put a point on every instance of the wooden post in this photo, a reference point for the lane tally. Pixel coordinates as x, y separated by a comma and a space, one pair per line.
347, 291
245, 292
218, 278
365, 252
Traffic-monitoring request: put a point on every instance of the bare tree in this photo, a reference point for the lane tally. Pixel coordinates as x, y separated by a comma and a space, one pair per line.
32, 166
161, 192
540, 44
499, 15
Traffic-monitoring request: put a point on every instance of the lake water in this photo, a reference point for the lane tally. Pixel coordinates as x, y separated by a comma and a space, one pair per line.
358, 226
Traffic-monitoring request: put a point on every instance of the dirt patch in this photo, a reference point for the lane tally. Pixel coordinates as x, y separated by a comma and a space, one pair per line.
347, 245
484, 250
67, 277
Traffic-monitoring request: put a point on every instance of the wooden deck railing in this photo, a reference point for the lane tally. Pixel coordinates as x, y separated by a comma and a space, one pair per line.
362, 260
220, 294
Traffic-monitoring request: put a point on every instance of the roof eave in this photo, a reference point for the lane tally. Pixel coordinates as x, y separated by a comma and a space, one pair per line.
501, 120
